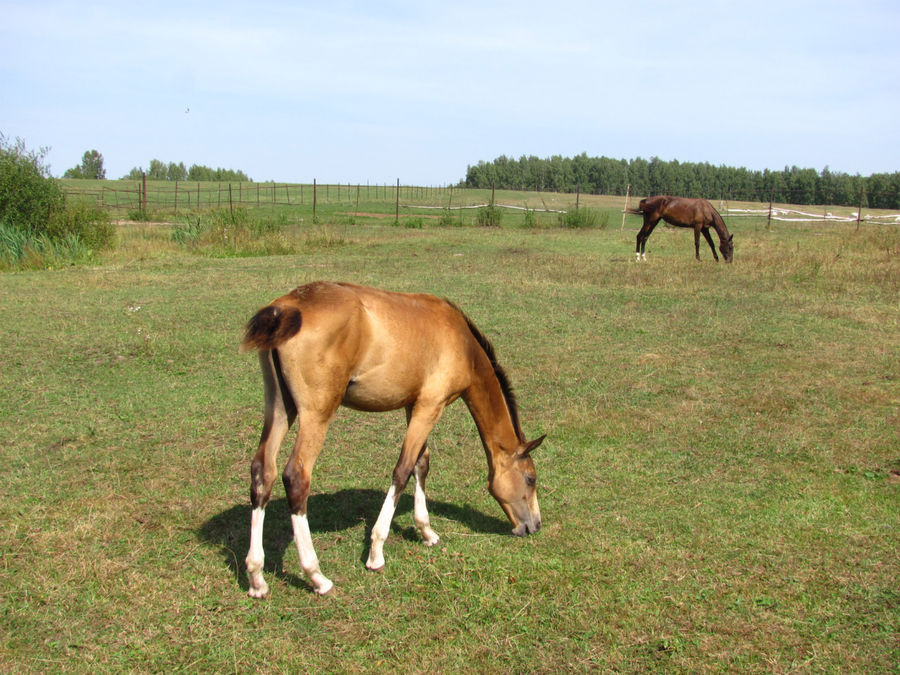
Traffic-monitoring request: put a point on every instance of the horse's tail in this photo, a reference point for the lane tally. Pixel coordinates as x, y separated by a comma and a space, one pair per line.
271, 326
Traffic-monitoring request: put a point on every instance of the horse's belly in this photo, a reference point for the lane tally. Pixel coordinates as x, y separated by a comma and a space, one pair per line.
375, 396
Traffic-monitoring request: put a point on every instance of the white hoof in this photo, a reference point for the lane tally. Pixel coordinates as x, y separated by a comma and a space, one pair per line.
430, 537
259, 592
322, 584
376, 565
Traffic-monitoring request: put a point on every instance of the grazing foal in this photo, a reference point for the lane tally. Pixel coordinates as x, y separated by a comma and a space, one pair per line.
330, 344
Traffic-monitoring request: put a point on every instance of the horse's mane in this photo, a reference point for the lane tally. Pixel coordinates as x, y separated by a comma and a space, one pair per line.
502, 378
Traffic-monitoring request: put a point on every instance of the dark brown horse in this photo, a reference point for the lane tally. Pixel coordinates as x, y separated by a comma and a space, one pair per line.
698, 214
330, 344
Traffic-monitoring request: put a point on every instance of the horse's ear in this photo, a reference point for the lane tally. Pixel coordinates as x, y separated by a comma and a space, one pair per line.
730, 237
526, 449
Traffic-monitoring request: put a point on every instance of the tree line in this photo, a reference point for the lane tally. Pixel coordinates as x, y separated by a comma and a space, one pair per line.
602, 175
159, 170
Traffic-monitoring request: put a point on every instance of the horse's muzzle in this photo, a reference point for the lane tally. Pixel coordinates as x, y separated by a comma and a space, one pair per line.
524, 528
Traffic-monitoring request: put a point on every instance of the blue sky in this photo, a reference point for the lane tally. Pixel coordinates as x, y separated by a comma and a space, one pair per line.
371, 92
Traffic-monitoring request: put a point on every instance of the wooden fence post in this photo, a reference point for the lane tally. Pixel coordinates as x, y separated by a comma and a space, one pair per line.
315, 200
143, 200
859, 211
397, 216
625, 208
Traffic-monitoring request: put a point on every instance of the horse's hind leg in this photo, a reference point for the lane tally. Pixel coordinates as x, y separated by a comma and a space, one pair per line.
642, 236
280, 414
712, 246
297, 478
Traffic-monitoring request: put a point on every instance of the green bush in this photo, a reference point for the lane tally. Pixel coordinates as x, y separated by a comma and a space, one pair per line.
447, 219
38, 228
529, 221
27, 196
584, 218
86, 222
489, 216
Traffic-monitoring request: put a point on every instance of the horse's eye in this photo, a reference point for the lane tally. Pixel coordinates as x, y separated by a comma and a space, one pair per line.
531, 481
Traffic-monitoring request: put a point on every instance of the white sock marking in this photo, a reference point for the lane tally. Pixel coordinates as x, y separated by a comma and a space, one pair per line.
380, 531
420, 515
256, 555
309, 561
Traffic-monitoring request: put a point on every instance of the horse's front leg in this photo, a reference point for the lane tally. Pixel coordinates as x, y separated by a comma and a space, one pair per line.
421, 420
712, 246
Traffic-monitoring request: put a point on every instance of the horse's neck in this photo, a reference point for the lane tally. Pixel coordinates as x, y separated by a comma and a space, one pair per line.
720, 228
489, 409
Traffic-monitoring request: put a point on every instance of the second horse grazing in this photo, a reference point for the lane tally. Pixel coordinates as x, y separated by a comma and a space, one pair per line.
698, 214
326, 344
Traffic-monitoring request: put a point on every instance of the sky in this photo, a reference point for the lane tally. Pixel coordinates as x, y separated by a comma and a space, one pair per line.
372, 92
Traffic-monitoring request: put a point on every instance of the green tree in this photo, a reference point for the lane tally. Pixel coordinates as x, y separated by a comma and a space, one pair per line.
176, 171
157, 170
91, 167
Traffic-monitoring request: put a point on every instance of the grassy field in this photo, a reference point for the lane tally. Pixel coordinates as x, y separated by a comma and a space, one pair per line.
720, 486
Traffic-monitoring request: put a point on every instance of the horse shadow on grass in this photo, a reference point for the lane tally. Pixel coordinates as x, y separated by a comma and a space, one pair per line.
328, 513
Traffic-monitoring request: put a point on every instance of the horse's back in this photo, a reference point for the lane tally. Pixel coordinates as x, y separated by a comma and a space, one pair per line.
383, 349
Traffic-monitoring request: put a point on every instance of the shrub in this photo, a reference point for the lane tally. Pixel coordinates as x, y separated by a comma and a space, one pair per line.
584, 218
86, 222
39, 228
529, 221
27, 195
489, 216
447, 219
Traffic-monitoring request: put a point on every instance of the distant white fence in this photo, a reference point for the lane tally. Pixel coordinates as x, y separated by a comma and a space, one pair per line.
795, 216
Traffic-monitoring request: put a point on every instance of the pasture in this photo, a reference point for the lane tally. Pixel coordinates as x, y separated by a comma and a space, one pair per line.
720, 484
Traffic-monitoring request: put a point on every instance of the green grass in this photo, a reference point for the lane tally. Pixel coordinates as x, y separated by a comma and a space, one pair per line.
719, 486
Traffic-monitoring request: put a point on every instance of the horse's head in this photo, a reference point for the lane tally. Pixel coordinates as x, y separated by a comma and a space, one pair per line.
727, 248
513, 483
